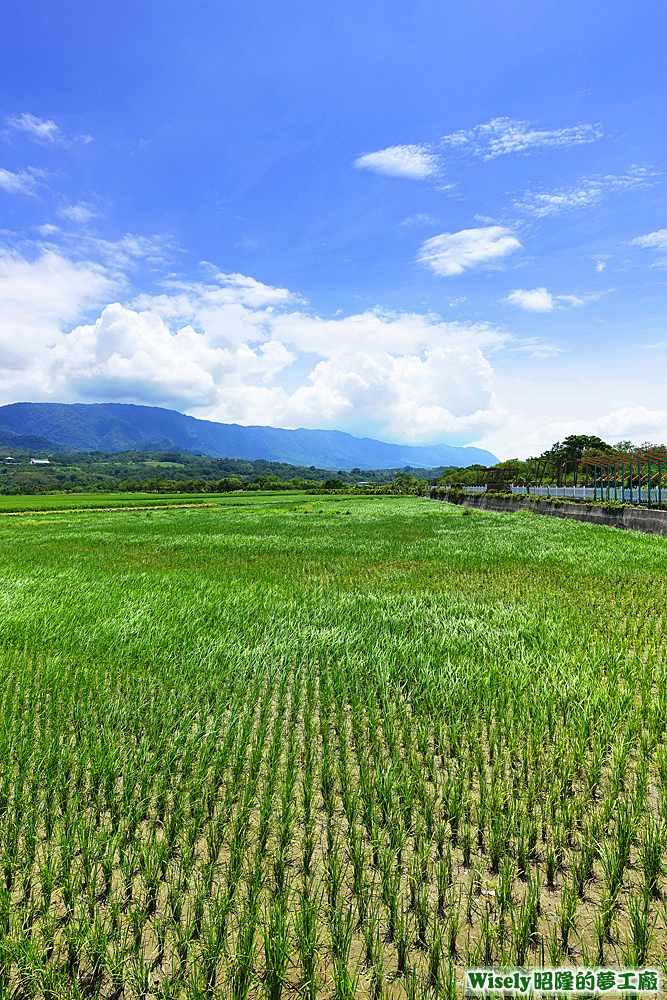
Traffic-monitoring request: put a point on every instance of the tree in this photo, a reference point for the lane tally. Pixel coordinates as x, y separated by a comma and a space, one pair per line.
570, 451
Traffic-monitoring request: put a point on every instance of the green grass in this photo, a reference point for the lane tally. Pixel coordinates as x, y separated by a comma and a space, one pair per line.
96, 501
326, 746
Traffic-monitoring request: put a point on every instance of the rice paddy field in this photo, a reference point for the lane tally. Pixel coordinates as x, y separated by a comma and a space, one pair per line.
45, 502
326, 747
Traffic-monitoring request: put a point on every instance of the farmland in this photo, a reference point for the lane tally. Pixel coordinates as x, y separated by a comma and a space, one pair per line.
326, 747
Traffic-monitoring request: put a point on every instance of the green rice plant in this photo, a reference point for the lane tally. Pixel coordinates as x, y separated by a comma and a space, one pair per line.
276, 944
421, 909
600, 933
550, 866
241, 974
566, 916
642, 926
471, 682
371, 936
466, 846
435, 955
182, 938
403, 940
506, 885
440, 835
523, 928
342, 921
490, 931
377, 977
97, 945
650, 856
444, 879
497, 841
607, 909
613, 861
453, 926
625, 831
358, 859
139, 975
308, 937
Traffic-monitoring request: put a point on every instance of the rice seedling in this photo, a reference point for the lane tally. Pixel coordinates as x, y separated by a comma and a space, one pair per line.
650, 855
243, 746
403, 941
276, 945
568, 909
308, 934
642, 923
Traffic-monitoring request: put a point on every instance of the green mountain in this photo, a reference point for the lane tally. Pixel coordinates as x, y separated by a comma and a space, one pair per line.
114, 427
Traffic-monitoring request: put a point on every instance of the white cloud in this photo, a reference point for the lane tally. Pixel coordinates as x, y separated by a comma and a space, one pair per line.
451, 253
81, 213
501, 136
657, 241
21, 182
39, 299
233, 349
120, 255
588, 192
559, 402
419, 220
35, 128
45, 132
414, 162
534, 300
498, 137
633, 422
541, 300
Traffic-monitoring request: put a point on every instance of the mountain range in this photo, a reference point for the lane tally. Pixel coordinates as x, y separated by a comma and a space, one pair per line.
113, 427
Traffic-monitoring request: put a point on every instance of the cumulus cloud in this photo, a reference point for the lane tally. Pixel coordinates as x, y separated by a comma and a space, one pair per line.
233, 349
588, 192
21, 182
502, 136
540, 299
126, 353
451, 253
39, 299
633, 422
40, 130
534, 300
414, 162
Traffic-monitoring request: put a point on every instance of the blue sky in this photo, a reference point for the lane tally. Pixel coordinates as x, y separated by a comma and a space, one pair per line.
424, 222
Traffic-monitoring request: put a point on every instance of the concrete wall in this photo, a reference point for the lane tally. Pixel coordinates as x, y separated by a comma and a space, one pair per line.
654, 522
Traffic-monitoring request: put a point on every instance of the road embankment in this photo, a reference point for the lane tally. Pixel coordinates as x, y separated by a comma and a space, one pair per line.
653, 522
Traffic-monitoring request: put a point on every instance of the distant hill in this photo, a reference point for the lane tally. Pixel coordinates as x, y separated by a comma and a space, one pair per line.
112, 427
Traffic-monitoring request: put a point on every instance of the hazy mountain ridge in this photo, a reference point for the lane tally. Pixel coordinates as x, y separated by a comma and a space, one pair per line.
113, 427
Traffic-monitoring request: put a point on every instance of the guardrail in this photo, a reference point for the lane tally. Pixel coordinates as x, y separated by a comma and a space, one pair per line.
589, 493
575, 492
578, 492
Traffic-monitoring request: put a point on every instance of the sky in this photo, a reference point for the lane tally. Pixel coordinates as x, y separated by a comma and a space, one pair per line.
426, 222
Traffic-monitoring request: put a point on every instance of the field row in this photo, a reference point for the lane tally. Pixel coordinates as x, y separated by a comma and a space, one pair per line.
308, 767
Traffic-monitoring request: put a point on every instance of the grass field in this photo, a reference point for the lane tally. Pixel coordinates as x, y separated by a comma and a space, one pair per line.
98, 501
326, 747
